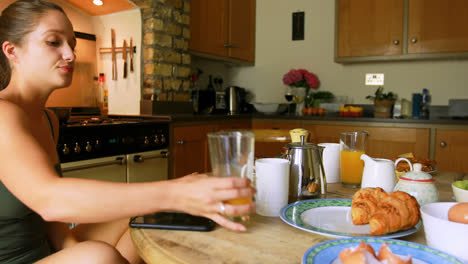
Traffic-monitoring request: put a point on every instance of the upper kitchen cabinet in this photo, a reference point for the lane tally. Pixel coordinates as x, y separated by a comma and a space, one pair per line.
368, 30
223, 29
437, 26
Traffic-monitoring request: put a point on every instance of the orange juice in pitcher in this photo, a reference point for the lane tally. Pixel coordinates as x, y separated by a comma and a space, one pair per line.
353, 145
351, 167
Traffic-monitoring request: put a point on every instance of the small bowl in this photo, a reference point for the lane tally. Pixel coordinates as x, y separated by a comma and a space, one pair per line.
443, 234
461, 195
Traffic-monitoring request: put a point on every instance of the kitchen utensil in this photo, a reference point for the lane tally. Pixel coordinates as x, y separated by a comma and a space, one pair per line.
307, 178
124, 56
232, 155
331, 161
327, 252
220, 101
379, 172
419, 184
114, 59
353, 145
233, 92
131, 54
331, 218
443, 234
271, 181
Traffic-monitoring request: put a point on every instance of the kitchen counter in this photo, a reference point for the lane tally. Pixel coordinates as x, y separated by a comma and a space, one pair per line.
176, 118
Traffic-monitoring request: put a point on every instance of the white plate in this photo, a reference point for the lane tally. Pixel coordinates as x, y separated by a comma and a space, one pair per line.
327, 252
332, 218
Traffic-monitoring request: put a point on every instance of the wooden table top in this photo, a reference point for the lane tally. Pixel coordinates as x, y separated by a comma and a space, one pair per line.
267, 240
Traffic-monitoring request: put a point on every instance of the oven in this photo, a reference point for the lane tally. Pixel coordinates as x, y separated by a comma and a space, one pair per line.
114, 148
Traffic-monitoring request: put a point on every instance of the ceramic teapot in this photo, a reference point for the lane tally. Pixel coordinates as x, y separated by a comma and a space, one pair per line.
379, 172
306, 173
419, 184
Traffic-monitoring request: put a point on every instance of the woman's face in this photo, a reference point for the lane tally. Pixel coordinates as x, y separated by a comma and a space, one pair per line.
46, 57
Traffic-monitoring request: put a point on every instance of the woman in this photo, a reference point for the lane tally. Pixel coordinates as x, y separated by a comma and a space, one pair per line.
37, 57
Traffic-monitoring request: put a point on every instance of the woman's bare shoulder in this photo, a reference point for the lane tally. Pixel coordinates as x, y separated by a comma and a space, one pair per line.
12, 116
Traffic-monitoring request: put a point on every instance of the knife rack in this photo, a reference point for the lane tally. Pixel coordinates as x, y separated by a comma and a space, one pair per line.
117, 50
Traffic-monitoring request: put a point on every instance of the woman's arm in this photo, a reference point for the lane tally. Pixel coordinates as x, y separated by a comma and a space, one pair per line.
29, 174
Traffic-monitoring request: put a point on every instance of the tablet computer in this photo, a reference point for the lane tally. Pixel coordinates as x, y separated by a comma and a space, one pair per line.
173, 221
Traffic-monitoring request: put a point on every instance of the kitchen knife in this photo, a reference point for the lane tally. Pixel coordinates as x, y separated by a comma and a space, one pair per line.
114, 59
124, 56
131, 54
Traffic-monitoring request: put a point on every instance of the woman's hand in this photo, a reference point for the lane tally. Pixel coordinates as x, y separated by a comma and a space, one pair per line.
199, 194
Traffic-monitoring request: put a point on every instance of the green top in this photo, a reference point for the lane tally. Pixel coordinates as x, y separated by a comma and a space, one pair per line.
23, 237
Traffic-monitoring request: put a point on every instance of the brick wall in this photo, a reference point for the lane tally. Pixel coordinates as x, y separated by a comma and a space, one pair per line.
166, 35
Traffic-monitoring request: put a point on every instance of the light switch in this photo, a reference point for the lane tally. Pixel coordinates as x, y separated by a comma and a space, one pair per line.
374, 79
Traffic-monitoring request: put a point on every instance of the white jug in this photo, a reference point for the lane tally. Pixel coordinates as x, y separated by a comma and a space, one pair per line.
379, 173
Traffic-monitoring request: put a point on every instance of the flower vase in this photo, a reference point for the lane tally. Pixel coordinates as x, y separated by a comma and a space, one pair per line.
299, 108
299, 97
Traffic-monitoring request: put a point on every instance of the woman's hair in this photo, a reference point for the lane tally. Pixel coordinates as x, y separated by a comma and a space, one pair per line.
16, 21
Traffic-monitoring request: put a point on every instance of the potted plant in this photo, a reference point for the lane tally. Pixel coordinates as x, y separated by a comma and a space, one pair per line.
320, 97
383, 103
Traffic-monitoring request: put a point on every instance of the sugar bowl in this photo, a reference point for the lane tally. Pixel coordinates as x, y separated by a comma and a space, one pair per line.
419, 184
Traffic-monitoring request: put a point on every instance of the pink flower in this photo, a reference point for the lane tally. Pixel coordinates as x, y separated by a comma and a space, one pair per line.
311, 80
301, 78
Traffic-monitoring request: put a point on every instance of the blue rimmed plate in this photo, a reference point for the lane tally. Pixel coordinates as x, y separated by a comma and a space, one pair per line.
327, 252
332, 218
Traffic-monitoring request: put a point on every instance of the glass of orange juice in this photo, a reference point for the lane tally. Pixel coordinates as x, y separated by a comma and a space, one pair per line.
353, 145
232, 155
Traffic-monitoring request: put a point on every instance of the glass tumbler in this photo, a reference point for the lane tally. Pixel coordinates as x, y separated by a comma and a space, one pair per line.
232, 155
352, 145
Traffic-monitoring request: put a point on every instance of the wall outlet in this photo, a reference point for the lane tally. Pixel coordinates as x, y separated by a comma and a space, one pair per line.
374, 79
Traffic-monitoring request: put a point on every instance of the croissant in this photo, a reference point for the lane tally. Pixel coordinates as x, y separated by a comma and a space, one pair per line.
390, 217
364, 204
385, 213
413, 207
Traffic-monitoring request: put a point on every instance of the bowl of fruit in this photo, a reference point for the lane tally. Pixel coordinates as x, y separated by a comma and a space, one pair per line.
460, 190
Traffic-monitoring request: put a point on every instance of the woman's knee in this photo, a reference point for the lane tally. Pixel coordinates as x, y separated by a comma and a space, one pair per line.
100, 252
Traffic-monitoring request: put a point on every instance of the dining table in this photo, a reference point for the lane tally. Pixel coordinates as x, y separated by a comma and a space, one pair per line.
267, 239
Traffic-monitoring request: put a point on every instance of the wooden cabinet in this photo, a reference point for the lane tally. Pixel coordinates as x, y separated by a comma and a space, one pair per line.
190, 146
370, 28
271, 137
399, 29
190, 149
437, 26
242, 125
451, 150
383, 142
223, 28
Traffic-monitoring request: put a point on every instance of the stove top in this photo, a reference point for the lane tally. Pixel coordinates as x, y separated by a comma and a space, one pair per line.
93, 120
88, 136
91, 116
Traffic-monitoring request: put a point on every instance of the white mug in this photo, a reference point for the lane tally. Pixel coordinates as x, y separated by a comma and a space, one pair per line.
272, 183
331, 161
